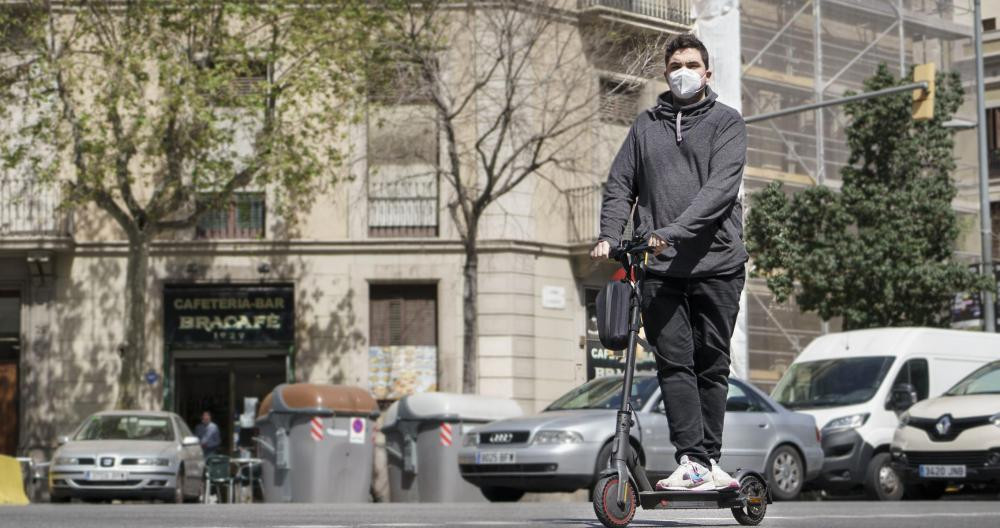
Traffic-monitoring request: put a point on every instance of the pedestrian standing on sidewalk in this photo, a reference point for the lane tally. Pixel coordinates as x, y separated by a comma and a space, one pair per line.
681, 167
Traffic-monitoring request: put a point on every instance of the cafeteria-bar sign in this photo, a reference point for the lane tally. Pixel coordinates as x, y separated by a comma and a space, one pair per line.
196, 316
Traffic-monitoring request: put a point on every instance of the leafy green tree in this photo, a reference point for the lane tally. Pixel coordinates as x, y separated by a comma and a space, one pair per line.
157, 112
879, 252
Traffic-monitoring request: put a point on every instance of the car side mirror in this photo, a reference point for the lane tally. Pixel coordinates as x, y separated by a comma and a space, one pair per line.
738, 404
62, 439
903, 396
190, 441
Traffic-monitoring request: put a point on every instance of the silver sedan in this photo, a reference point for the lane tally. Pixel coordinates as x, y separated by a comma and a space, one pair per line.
563, 447
128, 455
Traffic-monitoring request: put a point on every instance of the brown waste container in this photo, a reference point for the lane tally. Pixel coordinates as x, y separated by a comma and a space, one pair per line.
316, 444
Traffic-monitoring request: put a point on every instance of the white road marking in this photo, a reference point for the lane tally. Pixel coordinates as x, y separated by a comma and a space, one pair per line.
311, 526
639, 520
897, 515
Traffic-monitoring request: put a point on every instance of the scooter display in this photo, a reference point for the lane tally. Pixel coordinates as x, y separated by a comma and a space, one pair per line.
624, 485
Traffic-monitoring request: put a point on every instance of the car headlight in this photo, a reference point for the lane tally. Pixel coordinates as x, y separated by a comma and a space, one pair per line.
995, 419
150, 461
845, 423
558, 437
470, 439
67, 461
904, 420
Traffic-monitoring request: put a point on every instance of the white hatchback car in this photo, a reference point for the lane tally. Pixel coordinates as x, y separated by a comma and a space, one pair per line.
954, 438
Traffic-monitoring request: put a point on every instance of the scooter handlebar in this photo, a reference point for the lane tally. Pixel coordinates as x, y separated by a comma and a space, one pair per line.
630, 248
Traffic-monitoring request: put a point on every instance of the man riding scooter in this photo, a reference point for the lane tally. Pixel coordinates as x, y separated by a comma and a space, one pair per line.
681, 167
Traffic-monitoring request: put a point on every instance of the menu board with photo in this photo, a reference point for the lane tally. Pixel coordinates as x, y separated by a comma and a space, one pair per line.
397, 371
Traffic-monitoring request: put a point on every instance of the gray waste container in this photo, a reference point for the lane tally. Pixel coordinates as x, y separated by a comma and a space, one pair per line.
316, 443
423, 434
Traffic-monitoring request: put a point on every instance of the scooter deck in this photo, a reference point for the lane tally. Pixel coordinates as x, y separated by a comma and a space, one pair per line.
692, 499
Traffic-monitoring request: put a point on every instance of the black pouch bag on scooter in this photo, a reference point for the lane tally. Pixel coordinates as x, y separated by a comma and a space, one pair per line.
612, 314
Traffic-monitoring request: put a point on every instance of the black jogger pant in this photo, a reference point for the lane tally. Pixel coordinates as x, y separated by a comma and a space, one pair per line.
690, 322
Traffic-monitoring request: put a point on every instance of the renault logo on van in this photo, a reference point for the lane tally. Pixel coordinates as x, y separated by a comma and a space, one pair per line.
501, 438
943, 425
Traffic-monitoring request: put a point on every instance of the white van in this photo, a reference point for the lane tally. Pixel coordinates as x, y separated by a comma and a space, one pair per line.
845, 381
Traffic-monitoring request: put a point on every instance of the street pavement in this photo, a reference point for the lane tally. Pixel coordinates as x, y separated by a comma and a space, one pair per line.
832, 514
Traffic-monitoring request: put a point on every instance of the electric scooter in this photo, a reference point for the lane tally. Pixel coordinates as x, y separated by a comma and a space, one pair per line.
615, 504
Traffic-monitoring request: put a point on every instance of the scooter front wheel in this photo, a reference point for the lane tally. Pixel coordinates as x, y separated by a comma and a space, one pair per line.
754, 492
606, 502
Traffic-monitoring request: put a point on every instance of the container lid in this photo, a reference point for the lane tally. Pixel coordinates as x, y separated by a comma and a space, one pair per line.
452, 406
318, 400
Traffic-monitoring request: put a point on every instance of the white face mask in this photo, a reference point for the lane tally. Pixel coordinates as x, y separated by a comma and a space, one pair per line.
685, 83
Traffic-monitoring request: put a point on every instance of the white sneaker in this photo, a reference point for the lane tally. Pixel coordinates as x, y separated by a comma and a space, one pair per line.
721, 478
689, 476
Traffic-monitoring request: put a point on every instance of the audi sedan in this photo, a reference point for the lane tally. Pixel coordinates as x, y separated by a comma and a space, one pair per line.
128, 455
564, 447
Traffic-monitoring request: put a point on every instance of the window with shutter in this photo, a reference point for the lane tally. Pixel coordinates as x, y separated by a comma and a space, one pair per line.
993, 141
619, 101
403, 351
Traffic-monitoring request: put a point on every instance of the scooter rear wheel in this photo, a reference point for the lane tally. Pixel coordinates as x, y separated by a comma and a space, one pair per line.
754, 489
606, 502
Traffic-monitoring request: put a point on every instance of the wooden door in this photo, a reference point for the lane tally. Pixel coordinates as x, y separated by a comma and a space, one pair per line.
8, 408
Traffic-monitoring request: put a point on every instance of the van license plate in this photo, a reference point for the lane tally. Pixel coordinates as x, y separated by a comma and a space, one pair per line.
495, 457
927, 471
106, 475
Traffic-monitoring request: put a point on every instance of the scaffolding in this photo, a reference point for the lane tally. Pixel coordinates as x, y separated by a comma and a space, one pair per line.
798, 52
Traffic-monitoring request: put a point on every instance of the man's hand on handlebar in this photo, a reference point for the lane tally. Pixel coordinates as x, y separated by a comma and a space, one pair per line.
658, 244
601, 250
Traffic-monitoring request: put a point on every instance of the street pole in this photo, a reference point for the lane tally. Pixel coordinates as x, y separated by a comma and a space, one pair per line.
909, 87
989, 309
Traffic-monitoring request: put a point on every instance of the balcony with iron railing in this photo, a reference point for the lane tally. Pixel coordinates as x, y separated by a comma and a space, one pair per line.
648, 13
404, 207
30, 210
584, 218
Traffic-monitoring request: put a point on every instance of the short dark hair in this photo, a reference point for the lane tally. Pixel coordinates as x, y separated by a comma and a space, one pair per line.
685, 41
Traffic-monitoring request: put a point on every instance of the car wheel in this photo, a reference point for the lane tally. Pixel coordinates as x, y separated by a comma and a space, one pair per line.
497, 494
197, 497
881, 480
603, 461
178, 497
785, 473
926, 491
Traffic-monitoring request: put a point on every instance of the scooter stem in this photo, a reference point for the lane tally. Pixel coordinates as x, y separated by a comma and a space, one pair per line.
625, 410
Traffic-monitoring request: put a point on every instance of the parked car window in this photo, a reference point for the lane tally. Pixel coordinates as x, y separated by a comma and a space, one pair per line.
831, 382
914, 372
740, 400
127, 427
605, 393
182, 427
984, 380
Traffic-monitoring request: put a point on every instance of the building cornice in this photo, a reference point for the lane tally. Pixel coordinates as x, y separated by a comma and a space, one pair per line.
381, 246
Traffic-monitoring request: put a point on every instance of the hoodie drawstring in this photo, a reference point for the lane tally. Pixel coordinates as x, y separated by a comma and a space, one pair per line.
677, 127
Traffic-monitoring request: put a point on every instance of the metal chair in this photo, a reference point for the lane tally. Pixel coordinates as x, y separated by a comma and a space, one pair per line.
247, 476
217, 475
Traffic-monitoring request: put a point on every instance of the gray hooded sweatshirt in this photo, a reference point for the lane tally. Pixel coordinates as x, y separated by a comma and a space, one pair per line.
681, 167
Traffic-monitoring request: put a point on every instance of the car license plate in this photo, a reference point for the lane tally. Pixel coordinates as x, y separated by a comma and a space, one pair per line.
938, 471
495, 457
106, 475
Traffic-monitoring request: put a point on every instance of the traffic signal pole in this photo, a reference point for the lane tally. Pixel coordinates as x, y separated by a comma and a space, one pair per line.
985, 222
921, 85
